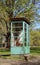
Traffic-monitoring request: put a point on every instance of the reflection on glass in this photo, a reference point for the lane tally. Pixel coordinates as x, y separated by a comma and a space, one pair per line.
17, 34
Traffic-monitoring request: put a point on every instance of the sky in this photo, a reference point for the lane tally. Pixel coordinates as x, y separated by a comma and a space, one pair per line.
37, 24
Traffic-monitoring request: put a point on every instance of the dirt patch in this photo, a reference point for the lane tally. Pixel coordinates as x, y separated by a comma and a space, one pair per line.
33, 61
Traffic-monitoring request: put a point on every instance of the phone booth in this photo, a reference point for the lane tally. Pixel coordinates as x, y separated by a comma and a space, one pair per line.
20, 36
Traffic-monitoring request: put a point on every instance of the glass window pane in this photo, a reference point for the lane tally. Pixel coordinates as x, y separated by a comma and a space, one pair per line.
17, 31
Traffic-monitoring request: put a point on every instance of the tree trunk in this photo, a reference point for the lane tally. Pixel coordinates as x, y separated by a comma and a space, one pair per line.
8, 40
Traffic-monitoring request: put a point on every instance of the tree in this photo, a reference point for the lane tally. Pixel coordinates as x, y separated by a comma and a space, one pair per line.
8, 10
35, 37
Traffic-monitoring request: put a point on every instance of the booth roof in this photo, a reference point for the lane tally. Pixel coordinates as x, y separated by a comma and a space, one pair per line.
21, 19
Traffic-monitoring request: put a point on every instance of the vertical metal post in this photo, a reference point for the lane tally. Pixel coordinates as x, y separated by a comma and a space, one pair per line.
23, 34
23, 38
27, 35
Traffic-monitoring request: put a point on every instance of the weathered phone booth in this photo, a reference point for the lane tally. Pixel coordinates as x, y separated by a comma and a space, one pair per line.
20, 36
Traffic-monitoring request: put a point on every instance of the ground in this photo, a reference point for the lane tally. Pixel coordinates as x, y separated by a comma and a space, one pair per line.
34, 58
31, 61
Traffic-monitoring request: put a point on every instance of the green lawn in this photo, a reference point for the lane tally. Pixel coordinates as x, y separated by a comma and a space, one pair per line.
4, 51
34, 51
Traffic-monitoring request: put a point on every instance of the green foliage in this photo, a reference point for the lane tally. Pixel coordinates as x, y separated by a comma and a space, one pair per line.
3, 19
16, 8
35, 50
35, 38
7, 10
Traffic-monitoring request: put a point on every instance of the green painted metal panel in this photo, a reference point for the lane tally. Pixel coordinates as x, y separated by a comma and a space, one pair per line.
20, 50
26, 50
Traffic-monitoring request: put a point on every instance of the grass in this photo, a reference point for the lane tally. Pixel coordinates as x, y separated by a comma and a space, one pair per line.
34, 51
13, 57
4, 51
